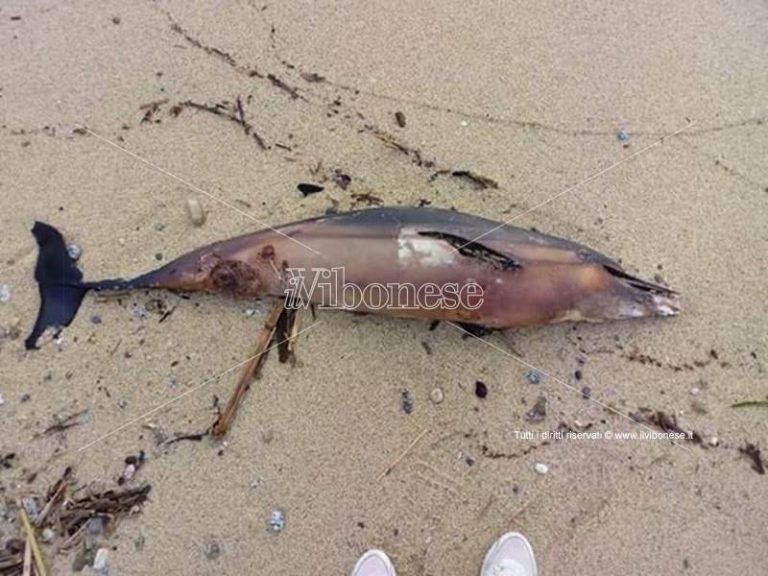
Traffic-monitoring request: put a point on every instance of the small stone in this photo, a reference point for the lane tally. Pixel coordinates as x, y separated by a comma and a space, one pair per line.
95, 319
195, 212
96, 526
5, 293
406, 401
2, 400
116, 20
586, 392
623, 136
31, 507
400, 119
436, 395
101, 561
541, 468
276, 522
713, 441
533, 377
578, 374
481, 390
212, 550
129, 472
539, 410
695, 391
47, 535
74, 252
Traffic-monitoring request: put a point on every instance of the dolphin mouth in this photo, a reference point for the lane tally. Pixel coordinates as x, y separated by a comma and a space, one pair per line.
665, 305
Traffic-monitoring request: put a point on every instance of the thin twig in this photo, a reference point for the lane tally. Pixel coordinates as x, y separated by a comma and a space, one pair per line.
250, 371
405, 453
27, 559
32, 541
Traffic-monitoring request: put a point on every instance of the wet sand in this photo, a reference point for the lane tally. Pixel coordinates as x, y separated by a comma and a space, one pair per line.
532, 98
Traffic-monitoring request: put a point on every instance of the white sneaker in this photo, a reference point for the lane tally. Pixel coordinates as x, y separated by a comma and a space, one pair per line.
374, 563
510, 555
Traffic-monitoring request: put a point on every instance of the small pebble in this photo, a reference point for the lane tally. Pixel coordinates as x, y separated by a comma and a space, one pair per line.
695, 391
212, 550
74, 252
129, 472
309, 189
713, 441
95, 319
541, 468
436, 395
400, 119
195, 212
623, 136
539, 410
31, 507
276, 521
96, 526
586, 392
101, 561
481, 390
578, 374
5, 293
2, 400
47, 535
533, 377
406, 401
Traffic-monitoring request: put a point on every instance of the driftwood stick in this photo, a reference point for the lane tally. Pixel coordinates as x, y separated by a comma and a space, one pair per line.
250, 371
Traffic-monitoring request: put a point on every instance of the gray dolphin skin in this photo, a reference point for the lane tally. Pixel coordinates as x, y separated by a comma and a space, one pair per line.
523, 278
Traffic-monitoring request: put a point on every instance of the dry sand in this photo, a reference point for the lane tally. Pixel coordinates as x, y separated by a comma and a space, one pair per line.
531, 95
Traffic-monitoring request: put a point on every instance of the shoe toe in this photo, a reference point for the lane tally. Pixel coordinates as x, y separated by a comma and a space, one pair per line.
374, 563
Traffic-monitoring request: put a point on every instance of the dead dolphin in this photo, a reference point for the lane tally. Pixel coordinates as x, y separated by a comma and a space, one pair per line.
524, 278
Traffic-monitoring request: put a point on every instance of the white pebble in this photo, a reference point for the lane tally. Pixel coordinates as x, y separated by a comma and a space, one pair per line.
2, 400
101, 561
436, 395
5, 293
74, 252
695, 391
47, 535
195, 212
541, 468
129, 471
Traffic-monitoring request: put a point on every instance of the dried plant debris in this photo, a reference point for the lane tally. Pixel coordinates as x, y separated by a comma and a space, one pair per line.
312, 77
751, 404
278, 83
366, 198
752, 452
6, 460
62, 424
477, 181
65, 516
666, 422
232, 111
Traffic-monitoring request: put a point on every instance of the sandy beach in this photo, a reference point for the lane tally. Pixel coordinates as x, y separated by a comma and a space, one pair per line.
639, 129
